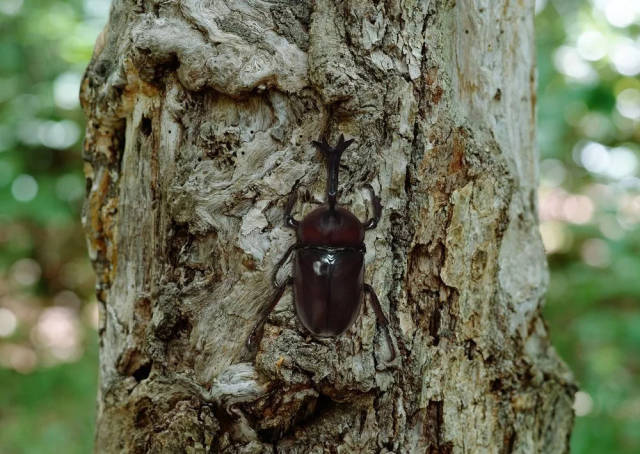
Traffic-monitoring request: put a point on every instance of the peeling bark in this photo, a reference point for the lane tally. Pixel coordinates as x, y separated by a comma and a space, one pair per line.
200, 116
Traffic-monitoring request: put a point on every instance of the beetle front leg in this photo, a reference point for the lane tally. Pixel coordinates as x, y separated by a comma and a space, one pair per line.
289, 220
256, 332
377, 209
382, 319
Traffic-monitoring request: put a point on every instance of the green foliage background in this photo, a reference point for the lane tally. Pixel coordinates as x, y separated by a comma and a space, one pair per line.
589, 210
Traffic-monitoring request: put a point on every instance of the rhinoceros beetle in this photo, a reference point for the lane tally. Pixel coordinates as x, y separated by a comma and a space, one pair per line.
328, 277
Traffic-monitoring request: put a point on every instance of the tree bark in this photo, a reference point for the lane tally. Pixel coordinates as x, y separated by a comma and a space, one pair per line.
200, 116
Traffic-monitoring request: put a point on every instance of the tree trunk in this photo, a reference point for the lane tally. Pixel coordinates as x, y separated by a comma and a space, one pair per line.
200, 117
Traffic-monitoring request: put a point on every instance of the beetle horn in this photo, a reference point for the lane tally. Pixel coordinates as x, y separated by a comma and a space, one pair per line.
323, 146
342, 144
333, 155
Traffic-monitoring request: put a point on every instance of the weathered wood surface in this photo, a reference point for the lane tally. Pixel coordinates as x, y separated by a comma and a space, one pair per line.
200, 116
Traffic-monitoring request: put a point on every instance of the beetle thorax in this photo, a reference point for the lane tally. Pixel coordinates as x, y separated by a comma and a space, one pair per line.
336, 227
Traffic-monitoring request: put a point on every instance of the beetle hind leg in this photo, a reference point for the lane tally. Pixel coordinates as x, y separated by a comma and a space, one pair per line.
382, 319
377, 209
256, 333
282, 261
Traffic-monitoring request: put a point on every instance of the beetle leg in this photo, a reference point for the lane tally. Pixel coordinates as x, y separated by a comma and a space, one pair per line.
274, 275
289, 220
377, 209
256, 332
382, 319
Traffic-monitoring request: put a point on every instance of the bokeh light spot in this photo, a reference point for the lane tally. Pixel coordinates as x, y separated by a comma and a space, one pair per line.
610, 228
58, 331
11, 7
555, 236
58, 134
616, 163
578, 209
595, 252
97, 8
27, 130
91, 314
596, 125
540, 5
582, 404
594, 157
8, 322
623, 163
26, 272
618, 13
628, 103
552, 172
592, 45
24, 188
629, 211
65, 90
18, 357
626, 58
569, 62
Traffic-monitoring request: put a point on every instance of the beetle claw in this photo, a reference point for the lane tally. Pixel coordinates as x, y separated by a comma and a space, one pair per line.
323, 146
